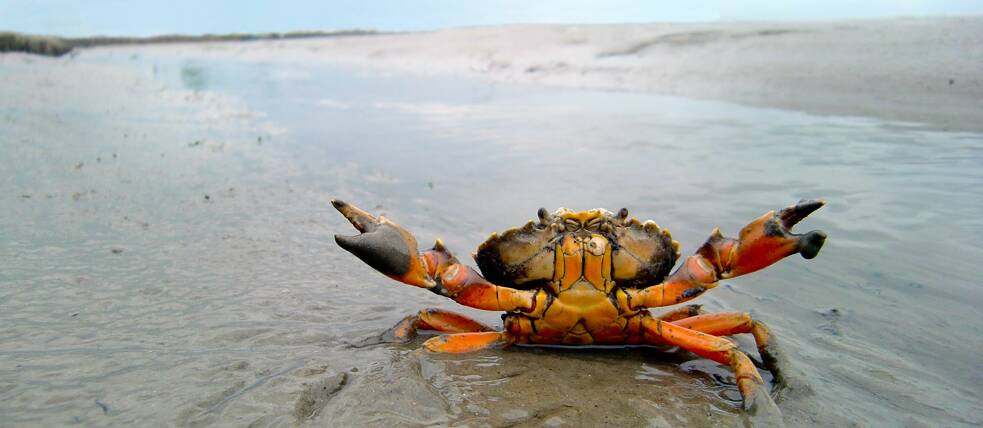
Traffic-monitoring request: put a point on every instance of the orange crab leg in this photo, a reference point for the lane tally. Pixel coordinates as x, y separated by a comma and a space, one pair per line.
730, 323
715, 348
762, 243
391, 250
468, 342
435, 319
469, 288
680, 313
726, 324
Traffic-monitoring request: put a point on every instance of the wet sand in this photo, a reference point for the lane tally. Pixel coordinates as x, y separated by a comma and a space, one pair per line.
167, 253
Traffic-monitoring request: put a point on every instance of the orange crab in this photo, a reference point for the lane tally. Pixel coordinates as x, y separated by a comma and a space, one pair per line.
587, 278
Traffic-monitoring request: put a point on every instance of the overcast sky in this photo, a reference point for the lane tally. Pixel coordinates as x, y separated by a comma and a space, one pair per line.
142, 18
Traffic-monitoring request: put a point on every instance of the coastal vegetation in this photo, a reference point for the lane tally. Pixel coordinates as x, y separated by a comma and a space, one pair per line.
58, 46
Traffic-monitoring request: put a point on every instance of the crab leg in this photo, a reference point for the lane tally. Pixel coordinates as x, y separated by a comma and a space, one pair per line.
391, 250
730, 323
680, 313
435, 319
715, 348
762, 243
468, 342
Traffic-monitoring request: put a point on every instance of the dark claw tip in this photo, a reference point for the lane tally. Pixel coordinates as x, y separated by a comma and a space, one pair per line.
384, 249
811, 243
346, 242
793, 214
338, 204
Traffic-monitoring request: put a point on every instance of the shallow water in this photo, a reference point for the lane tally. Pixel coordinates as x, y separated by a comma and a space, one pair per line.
167, 254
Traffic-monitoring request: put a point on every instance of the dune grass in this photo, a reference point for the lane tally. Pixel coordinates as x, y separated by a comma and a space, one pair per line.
58, 46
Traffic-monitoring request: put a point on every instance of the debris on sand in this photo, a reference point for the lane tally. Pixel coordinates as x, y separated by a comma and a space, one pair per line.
317, 394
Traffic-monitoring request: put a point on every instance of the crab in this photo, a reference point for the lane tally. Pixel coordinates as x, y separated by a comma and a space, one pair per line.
588, 278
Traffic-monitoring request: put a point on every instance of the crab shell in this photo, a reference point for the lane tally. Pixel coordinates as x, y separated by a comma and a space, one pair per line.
524, 258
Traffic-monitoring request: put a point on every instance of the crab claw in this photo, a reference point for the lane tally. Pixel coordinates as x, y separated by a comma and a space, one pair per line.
767, 240
809, 243
383, 245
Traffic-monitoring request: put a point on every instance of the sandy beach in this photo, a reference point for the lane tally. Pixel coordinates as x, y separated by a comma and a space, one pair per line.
167, 252
914, 70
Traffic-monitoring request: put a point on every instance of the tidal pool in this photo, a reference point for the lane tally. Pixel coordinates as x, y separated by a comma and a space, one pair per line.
166, 251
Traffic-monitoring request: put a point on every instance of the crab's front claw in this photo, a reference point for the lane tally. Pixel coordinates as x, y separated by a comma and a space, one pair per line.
769, 239
383, 245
